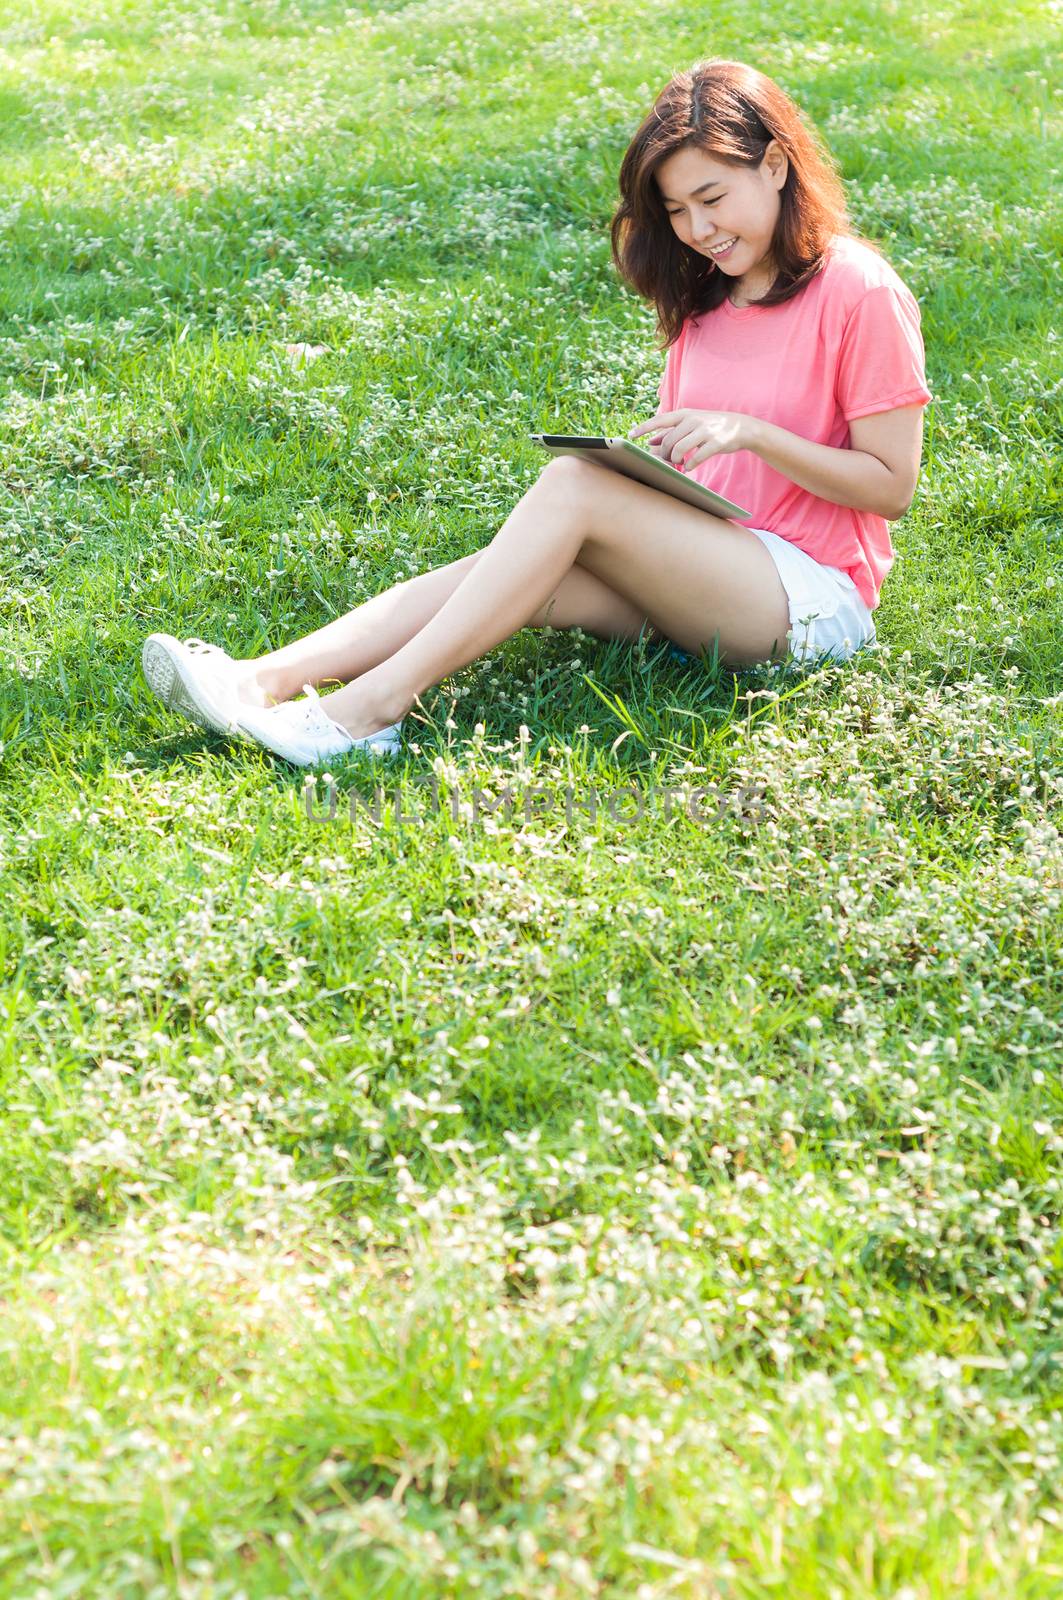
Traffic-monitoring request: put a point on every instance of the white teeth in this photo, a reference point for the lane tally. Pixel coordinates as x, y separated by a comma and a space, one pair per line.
720, 248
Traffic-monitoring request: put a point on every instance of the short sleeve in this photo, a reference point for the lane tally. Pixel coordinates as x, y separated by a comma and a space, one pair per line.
668, 387
882, 362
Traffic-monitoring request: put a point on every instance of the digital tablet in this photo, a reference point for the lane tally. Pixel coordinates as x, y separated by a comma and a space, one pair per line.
635, 461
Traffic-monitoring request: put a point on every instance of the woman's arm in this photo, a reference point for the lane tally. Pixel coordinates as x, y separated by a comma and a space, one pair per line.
878, 472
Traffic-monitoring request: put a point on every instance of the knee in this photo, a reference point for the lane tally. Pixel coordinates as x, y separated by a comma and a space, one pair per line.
570, 475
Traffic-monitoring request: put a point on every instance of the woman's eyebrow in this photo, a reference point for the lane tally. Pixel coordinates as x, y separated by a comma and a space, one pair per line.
713, 183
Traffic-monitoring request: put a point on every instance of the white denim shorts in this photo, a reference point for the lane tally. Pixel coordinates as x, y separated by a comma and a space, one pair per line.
828, 618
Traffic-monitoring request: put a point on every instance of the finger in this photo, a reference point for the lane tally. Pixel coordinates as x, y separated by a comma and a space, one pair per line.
660, 419
684, 442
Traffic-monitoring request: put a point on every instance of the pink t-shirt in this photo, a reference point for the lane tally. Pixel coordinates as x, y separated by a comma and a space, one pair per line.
847, 345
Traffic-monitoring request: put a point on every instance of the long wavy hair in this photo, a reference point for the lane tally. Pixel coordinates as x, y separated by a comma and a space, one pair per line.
732, 112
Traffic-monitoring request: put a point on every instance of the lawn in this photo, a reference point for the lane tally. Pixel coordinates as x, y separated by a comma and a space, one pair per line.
613, 1149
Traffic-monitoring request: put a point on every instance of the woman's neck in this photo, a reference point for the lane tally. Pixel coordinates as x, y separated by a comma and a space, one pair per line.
743, 294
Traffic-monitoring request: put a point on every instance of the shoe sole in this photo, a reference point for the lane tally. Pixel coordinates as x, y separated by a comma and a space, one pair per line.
168, 677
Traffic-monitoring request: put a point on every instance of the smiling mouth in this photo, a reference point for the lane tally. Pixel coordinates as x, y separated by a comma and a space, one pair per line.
722, 250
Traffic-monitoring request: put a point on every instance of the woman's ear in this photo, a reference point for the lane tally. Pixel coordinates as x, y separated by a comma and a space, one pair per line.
777, 162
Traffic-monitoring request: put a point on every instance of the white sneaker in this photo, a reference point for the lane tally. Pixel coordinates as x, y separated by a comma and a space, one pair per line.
302, 732
192, 678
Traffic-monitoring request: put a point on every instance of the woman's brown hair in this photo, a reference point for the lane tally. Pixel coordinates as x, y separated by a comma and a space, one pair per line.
731, 112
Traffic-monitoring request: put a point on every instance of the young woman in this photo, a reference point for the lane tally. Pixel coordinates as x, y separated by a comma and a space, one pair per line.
733, 224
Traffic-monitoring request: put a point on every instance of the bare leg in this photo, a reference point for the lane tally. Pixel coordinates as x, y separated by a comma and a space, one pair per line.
695, 577
514, 579
351, 645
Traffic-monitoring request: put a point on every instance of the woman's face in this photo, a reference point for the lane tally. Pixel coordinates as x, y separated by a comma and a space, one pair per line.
739, 203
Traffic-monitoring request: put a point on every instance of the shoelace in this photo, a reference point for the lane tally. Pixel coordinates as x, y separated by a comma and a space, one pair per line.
318, 719
313, 717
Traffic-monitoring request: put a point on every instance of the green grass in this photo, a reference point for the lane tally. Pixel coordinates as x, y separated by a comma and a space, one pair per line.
559, 1207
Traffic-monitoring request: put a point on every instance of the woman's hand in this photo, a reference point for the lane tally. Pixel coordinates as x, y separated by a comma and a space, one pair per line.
683, 438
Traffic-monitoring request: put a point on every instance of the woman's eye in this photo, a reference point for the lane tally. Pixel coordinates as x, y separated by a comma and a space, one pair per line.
704, 203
